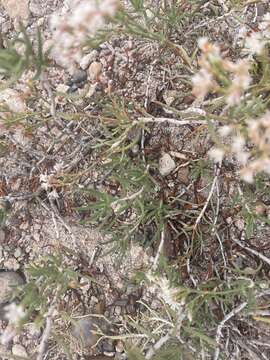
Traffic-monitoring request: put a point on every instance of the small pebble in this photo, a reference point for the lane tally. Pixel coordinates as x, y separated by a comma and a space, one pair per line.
79, 76
107, 347
166, 164
183, 175
88, 59
19, 350
117, 310
62, 88
119, 347
99, 307
83, 330
73, 88
18, 253
11, 264
169, 96
95, 70
108, 354
260, 209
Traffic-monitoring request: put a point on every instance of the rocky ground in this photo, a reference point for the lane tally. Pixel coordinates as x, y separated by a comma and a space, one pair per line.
35, 229
43, 167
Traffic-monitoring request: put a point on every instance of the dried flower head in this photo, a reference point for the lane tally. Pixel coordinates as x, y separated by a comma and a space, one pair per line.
168, 294
247, 175
225, 130
14, 313
71, 30
255, 43
241, 80
208, 48
259, 133
202, 83
216, 154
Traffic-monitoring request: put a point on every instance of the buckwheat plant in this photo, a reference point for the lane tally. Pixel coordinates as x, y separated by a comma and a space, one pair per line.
243, 89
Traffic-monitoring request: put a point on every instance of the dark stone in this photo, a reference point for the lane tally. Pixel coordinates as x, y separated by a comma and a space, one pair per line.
107, 346
84, 329
79, 76
73, 88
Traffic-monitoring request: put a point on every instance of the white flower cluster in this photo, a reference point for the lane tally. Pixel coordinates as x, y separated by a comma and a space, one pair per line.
161, 286
253, 161
232, 79
70, 30
13, 313
220, 75
256, 41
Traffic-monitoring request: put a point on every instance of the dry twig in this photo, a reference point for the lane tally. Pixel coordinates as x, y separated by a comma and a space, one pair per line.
223, 322
217, 172
170, 121
47, 331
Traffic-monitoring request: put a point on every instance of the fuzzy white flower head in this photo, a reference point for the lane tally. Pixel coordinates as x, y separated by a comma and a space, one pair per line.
72, 28
255, 43
225, 130
211, 50
240, 81
161, 286
241, 71
238, 143
247, 175
168, 294
203, 44
242, 157
14, 313
253, 126
109, 7
216, 154
234, 95
202, 83
13, 100
259, 132
8, 335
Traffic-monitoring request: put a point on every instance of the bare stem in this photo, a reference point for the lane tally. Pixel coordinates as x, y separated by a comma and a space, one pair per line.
46, 332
